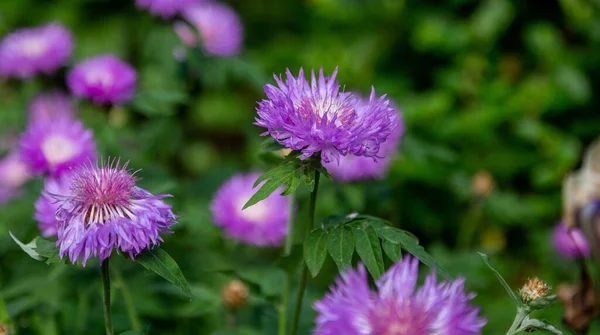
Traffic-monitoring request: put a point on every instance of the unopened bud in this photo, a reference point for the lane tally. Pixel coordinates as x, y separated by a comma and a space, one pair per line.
3, 329
482, 183
534, 289
235, 294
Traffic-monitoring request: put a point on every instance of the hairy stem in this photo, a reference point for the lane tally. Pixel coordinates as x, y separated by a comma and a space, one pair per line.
106, 300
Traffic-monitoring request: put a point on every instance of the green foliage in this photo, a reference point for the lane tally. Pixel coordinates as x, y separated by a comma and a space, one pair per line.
164, 265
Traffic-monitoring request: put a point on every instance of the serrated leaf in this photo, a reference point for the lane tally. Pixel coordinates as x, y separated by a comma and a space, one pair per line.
274, 179
309, 179
47, 249
315, 251
293, 183
164, 265
29, 248
392, 250
369, 250
510, 292
340, 244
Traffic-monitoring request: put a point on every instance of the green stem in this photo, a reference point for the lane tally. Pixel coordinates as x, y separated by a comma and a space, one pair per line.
303, 270
106, 300
131, 312
521, 315
283, 307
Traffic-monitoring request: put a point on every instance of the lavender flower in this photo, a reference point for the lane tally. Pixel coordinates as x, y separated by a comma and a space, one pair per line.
47, 204
263, 224
31, 51
319, 118
104, 79
355, 168
164, 8
570, 243
352, 308
55, 146
13, 174
104, 209
220, 28
51, 106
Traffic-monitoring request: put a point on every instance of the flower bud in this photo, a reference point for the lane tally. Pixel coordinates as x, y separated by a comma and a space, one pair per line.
235, 294
482, 183
3, 329
533, 290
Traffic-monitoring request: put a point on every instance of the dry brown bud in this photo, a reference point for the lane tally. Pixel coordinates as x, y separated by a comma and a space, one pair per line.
533, 289
235, 294
3, 329
483, 183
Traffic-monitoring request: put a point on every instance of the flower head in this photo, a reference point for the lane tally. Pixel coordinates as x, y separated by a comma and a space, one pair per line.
354, 168
31, 51
55, 146
220, 28
262, 224
534, 289
51, 106
164, 8
397, 307
13, 174
317, 117
570, 243
47, 204
104, 209
104, 79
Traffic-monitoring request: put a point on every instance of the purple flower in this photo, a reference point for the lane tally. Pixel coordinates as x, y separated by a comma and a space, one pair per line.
104, 79
164, 8
104, 209
319, 118
397, 307
13, 174
51, 106
55, 146
571, 243
30, 51
355, 168
263, 224
220, 28
47, 204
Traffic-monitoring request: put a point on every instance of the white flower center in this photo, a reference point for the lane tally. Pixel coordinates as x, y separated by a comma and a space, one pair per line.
15, 174
99, 76
256, 213
33, 46
58, 149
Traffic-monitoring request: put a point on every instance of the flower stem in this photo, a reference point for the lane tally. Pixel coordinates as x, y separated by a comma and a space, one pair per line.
521, 315
283, 307
303, 268
106, 300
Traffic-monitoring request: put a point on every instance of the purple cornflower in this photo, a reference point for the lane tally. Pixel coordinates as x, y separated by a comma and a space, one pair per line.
220, 28
262, 224
104, 79
353, 308
55, 146
165, 8
47, 204
51, 106
354, 168
570, 243
104, 209
317, 117
31, 51
13, 174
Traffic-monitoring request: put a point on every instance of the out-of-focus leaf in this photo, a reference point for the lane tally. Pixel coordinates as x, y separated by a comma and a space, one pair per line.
47, 249
340, 244
315, 250
164, 265
369, 249
392, 250
510, 292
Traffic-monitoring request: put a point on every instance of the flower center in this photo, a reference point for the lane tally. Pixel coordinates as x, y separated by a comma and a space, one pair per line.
57, 149
33, 46
100, 77
256, 213
399, 318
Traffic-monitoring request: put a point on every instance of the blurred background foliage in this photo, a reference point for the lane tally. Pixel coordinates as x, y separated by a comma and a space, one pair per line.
498, 101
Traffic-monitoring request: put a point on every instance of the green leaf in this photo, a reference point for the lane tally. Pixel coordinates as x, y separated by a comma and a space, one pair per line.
534, 324
369, 250
47, 249
392, 250
315, 250
309, 178
274, 179
270, 144
160, 261
4, 318
29, 248
340, 244
293, 183
510, 292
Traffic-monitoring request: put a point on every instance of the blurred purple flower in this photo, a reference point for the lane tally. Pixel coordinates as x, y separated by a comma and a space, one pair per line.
317, 117
263, 224
165, 8
104, 79
104, 209
51, 106
13, 174
55, 146
220, 28
352, 308
47, 204
31, 51
571, 243
355, 168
